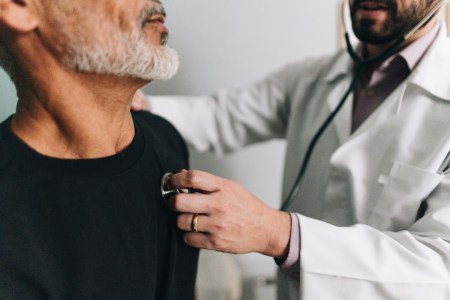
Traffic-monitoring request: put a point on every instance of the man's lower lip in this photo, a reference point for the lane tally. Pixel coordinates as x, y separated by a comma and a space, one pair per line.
159, 25
366, 13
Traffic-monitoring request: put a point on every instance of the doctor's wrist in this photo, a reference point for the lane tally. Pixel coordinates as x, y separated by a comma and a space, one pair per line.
279, 229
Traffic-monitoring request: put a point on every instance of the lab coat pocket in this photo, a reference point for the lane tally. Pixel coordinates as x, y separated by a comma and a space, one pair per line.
404, 190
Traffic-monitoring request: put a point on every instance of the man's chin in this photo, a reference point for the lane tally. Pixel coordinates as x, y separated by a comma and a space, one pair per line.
374, 38
135, 60
166, 75
165, 69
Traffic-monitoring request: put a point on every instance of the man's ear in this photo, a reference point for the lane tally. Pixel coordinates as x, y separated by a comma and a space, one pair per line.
18, 15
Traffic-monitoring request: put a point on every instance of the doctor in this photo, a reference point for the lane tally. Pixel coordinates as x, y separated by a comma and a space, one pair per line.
372, 218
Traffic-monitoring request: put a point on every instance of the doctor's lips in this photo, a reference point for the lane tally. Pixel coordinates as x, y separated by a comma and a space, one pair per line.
372, 9
372, 5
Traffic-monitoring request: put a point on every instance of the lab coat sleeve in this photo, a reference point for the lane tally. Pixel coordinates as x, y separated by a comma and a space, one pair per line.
360, 262
291, 265
229, 119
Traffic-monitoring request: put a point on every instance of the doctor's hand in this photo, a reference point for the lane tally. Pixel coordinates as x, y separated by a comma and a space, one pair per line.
140, 102
230, 219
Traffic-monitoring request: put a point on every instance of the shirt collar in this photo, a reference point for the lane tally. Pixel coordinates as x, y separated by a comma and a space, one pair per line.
412, 53
415, 51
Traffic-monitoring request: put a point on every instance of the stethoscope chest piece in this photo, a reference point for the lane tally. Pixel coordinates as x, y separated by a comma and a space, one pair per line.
166, 191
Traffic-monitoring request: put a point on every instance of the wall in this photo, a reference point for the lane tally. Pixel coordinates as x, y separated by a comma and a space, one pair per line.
7, 96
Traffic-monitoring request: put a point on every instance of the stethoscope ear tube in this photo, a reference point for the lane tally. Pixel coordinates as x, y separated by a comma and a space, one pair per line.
424, 20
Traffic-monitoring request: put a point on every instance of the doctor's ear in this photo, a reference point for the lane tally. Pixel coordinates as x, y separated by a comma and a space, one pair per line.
18, 15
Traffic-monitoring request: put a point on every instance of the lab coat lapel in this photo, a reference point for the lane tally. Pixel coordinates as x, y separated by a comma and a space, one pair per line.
342, 121
341, 71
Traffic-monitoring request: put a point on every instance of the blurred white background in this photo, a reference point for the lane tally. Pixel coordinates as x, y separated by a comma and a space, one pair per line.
228, 43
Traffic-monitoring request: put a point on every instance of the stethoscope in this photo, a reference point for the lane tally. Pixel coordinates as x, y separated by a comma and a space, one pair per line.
360, 63
167, 191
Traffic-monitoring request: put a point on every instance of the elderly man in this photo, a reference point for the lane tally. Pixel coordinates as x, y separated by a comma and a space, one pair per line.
81, 216
371, 219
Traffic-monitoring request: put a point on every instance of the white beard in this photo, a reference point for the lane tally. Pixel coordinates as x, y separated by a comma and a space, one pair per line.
110, 50
114, 52
123, 55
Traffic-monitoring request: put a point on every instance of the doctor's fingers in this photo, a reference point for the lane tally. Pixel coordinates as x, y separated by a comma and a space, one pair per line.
206, 241
213, 225
186, 222
211, 234
140, 102
192, 203
196, 180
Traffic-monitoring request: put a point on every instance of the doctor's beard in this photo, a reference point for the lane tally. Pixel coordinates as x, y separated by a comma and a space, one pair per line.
119, 53
398, 22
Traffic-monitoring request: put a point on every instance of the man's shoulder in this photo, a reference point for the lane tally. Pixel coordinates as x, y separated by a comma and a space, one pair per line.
160, 129
4, 141
154, 123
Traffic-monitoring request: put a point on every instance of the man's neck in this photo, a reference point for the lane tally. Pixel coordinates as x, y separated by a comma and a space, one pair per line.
80, 117
375, 50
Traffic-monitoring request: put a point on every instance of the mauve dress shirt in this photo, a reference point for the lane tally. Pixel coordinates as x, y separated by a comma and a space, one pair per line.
376, 83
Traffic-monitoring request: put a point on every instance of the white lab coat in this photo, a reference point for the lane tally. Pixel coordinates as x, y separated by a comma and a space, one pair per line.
361, 194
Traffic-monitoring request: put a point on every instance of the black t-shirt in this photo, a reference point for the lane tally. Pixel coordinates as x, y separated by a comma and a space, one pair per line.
94, 228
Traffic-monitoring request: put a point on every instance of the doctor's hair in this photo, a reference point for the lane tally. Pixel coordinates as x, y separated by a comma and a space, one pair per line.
8, 62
